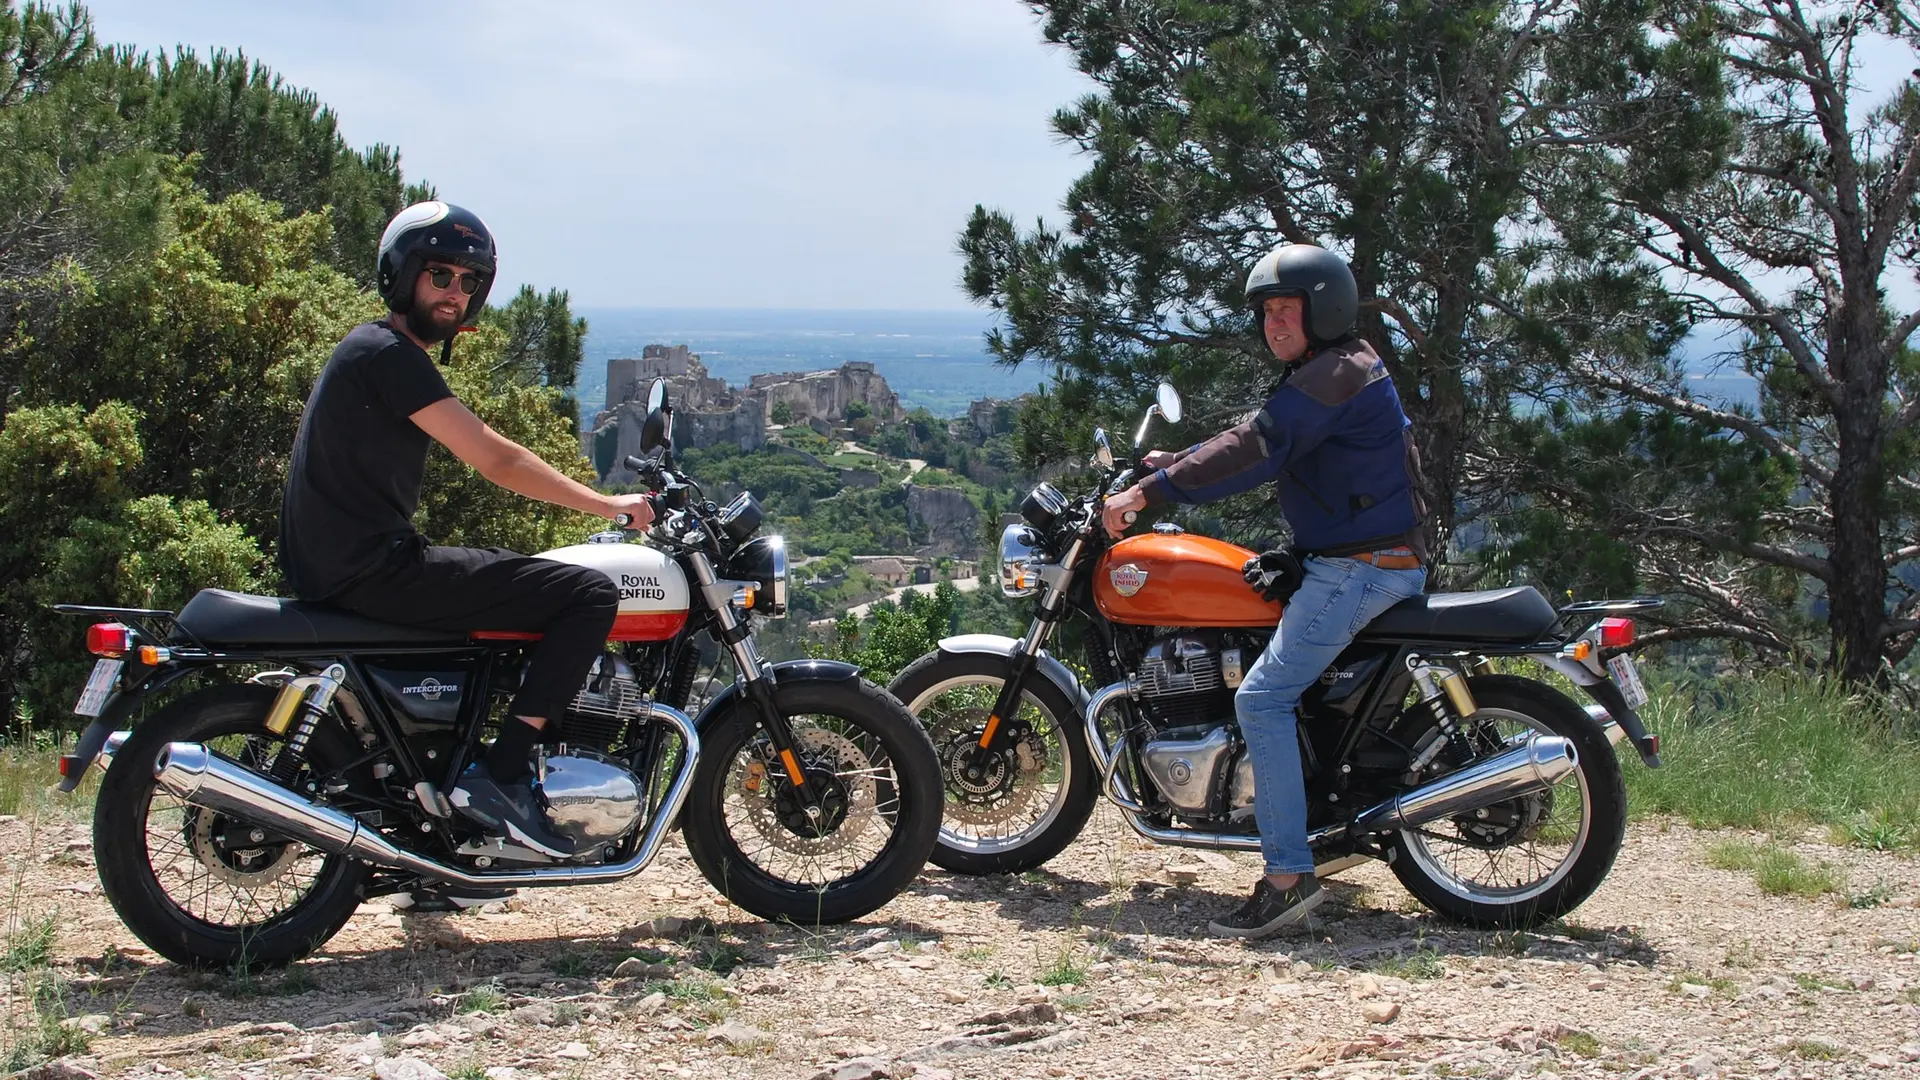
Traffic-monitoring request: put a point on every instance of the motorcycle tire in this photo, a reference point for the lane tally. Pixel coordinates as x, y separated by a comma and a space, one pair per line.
1595, 833
736, 782
123, 840
961, 850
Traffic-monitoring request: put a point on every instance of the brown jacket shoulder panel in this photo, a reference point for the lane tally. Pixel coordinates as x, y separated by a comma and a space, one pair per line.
1338, 373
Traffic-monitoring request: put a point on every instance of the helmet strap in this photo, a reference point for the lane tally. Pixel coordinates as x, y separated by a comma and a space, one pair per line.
446, 351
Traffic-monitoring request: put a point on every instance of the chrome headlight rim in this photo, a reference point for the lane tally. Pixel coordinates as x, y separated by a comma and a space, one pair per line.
1020, 561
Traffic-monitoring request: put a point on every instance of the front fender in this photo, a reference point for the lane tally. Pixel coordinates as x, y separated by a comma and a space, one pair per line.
1049, 666
784, 673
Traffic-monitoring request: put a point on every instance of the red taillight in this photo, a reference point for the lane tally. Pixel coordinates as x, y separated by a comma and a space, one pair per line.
1616, 633
110, 639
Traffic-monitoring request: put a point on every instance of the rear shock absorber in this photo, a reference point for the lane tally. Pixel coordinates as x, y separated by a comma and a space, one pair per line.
1445, 694
296, 713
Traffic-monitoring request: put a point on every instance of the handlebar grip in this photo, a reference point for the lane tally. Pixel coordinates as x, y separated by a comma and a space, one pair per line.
636, 463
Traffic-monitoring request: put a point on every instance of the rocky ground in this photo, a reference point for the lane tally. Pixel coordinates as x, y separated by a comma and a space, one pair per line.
1098, 967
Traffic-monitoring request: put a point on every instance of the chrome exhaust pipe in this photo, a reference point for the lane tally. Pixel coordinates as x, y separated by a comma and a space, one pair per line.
1541, 762
191, 772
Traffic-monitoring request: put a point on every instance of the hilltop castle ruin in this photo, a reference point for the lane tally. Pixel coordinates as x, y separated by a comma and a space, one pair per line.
708, 412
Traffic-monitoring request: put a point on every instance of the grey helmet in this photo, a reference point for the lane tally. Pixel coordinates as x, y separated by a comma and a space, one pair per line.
1318, 276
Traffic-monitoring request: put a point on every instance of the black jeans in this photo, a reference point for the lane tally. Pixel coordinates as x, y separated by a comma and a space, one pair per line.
450, 588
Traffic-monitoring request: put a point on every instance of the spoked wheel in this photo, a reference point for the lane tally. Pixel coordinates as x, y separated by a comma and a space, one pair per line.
1531, 858
1008, 810
846, 845
205, 888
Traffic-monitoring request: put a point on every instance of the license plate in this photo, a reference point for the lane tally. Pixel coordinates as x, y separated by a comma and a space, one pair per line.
106, 676
1628, 677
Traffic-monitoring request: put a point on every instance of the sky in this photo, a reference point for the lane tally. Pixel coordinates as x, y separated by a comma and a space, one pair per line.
652, 153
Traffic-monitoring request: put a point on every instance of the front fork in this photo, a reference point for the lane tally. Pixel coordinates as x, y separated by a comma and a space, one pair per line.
1004, 727
737, 635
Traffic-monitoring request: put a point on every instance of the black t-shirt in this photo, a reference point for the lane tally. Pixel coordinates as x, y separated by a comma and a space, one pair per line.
358, 461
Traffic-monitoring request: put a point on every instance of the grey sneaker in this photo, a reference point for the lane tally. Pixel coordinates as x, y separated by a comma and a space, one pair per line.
1269, 910
508, 809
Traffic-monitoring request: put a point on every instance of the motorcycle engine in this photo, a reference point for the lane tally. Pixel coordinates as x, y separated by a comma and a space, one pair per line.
605, 704
591, 798
1189, 678
1187, 682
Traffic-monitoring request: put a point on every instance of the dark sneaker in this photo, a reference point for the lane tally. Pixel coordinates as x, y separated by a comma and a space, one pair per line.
508, 809
442, 898
1269, 910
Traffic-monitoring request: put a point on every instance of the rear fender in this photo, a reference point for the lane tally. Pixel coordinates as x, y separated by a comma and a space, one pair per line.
1612, 702
112, 718
1046, 664
785, 673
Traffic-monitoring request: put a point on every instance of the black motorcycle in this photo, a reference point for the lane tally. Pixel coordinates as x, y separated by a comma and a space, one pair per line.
244, 821
1496, 799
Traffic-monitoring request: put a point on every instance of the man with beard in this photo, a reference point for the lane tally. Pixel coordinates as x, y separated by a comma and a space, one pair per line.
346, 529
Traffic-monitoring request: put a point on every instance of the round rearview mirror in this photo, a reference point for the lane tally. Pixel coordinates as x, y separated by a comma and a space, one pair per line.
1102, 449
1169, 402
657, 432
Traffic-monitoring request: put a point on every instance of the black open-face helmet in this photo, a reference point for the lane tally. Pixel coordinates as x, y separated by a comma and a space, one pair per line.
435, 232
1318, 276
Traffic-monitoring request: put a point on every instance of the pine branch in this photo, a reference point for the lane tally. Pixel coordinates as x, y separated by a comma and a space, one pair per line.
1685, 406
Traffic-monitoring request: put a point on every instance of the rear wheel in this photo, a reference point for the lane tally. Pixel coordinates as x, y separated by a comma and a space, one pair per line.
1013, 810
206, 889
848, 850
1528, 859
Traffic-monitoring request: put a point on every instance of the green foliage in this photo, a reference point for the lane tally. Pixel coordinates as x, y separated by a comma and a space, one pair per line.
892, 637
781, 413
1776, 870
188, 243
1780, 751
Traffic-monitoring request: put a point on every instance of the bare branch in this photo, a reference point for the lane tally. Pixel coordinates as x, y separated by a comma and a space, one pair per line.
1402, 316
1907, 325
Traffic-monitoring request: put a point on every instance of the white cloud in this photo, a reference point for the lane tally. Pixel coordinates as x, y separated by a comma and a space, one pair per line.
659, 153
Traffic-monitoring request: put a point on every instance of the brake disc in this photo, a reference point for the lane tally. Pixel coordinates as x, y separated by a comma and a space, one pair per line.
1007, 780
820, 752
262, 862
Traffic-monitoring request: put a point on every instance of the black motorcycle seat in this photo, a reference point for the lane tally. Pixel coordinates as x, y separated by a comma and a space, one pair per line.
219, 618
1518, 614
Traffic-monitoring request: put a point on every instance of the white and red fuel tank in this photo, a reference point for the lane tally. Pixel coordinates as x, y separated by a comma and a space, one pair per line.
653, 589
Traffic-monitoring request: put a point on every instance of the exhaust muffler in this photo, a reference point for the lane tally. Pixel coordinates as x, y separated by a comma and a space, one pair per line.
202, 778
1539, 763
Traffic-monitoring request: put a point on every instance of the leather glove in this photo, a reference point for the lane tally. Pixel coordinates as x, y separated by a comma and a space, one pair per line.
1275, 575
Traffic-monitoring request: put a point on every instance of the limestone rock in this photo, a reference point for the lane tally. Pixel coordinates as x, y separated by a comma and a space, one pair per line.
406, 1068
860, 1068
1380, 1012
735, 1033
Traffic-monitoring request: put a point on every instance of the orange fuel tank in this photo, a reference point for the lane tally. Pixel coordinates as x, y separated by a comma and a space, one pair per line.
1178, 580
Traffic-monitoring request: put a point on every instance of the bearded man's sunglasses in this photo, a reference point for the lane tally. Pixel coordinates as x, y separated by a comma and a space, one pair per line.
442, 277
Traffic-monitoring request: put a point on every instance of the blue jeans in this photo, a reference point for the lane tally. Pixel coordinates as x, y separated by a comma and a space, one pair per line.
1337, 599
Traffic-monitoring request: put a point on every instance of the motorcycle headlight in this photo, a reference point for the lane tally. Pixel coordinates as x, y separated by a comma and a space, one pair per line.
763, 560
1020, 561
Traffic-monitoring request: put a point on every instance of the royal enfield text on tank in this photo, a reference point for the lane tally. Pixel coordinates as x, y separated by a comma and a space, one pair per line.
246, 818
1495, 798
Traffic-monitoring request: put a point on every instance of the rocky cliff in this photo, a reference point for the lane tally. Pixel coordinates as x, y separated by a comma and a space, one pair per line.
945, 517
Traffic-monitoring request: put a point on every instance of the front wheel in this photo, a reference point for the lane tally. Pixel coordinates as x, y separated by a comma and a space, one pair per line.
1011, 811
850, 848
1529, 859
202, 888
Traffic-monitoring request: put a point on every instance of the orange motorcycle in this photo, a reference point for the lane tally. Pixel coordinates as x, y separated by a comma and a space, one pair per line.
1496, 799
